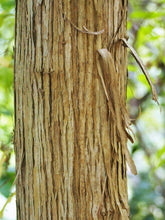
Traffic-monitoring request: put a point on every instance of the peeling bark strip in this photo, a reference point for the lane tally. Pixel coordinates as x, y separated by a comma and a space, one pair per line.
67, 134
116, 105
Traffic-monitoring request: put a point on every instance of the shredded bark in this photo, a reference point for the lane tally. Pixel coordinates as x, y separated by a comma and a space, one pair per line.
118, 28
74, 161
117, 107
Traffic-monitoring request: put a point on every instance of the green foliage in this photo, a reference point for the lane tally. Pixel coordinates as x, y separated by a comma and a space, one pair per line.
7, 5
7, 172
6, 182
147, 201
146, 24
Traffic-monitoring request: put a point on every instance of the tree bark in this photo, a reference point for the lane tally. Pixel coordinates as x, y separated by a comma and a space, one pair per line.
67, 164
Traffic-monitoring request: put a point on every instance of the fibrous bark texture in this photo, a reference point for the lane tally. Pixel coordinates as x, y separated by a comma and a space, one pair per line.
69, 161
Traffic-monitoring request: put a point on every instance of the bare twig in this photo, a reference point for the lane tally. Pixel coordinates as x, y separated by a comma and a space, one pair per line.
140, 63
19, 168
84, 30
93, 33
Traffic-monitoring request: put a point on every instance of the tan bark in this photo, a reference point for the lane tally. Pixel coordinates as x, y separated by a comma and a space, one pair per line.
72, 165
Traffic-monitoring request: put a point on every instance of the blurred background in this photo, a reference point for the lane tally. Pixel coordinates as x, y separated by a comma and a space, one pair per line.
146, 30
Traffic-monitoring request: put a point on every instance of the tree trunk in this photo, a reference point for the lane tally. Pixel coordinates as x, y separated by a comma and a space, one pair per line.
65, 138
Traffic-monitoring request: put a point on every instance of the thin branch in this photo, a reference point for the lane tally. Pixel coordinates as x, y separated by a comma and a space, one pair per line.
140, 63
84, 30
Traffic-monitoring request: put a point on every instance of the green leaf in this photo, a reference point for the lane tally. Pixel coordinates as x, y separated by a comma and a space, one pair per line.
6, 182
7, 4
140, 14
160, 152
161, 163
6, 77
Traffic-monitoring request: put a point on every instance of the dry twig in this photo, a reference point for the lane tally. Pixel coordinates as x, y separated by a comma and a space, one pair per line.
140, 63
